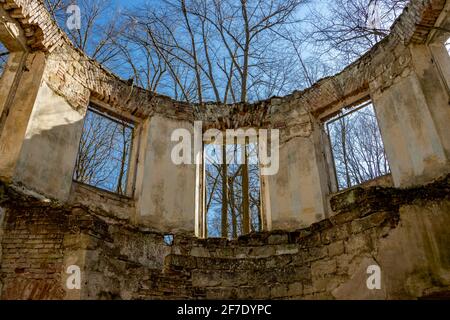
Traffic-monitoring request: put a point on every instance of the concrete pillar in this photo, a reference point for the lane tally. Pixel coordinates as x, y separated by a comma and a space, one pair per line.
17, 105
165, 191
48, 154
297, 192
432, 65
412, 115
8, 79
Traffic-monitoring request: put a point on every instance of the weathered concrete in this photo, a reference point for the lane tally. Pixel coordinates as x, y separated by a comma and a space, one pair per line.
296, 197
52, 136
329, 259
43, 120
166, 199
51, 221
18, 108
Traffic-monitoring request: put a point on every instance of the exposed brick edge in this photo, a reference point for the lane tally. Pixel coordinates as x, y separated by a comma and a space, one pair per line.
412, 26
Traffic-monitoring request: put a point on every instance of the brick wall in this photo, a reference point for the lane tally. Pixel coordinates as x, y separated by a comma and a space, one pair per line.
73, 75
327, 260
404, 231
32, 253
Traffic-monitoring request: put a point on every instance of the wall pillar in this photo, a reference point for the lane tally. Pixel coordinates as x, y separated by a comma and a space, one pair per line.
297, 193
166, 191
49, 150
17, 110
413, 116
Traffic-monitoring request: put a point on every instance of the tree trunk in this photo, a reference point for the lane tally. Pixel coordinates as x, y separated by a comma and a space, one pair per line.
233, 211
246, 51
194, 52
245, 193
123, 160
224, 193
344, 150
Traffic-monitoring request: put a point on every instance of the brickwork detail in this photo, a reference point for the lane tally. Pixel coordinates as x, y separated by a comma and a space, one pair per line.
124, 262
75, 76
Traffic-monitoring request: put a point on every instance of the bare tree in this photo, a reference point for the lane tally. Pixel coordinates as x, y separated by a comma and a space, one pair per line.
100, 27
232, 51
220, 51
357, 147
219, 48
147, 66
242, 180
104, 151
348, 28
3, 58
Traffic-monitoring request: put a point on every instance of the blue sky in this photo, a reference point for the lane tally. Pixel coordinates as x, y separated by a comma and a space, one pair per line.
166, 87
317, 4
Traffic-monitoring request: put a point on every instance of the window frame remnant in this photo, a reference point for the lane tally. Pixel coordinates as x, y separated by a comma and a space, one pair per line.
351, 109
203, 213
4, 55
99, 109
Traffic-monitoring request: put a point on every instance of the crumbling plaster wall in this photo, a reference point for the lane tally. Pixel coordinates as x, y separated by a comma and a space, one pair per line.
399, 74
411, 124
52, 136
403, 231
25, 72
118, 241
296, 196
166, 199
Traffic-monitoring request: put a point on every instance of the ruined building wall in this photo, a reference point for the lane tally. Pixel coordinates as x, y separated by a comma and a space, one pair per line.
405, 232
50, 222
53, 84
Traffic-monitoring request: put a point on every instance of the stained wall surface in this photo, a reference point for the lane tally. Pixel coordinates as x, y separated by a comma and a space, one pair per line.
317, 242
404, 232
54, 84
